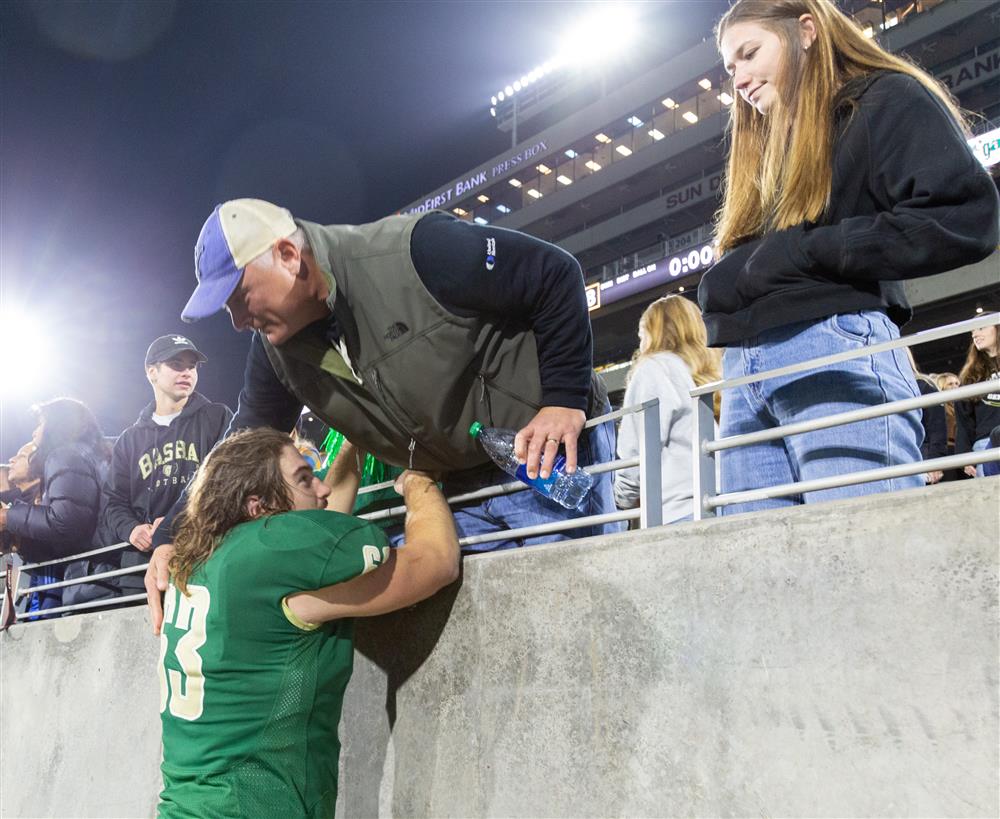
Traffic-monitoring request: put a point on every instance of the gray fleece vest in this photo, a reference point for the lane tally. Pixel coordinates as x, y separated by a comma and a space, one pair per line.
421, 375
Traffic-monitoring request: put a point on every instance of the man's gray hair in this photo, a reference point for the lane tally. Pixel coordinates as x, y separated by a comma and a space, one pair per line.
298, 239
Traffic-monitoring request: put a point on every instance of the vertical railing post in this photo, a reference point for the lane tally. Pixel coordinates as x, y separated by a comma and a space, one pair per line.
703, 462
650, 490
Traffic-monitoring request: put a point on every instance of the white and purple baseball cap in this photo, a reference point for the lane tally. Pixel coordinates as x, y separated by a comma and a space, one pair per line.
234, 235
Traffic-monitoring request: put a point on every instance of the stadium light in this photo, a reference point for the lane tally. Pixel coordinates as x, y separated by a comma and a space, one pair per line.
24, 374
608, 33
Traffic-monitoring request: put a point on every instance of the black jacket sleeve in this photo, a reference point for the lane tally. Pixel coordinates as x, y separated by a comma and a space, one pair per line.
965, 426
64, 522
264, 401
225, 421
941, 207
935, 443
119, 514
481, 270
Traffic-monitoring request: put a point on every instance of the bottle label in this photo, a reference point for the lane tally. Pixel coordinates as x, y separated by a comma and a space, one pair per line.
543, 485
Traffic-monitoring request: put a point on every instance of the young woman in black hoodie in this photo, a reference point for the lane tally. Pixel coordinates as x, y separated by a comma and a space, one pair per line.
848, 172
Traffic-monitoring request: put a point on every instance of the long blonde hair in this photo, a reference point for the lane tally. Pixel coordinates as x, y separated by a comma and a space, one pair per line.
673, 324
246, 464
780, 167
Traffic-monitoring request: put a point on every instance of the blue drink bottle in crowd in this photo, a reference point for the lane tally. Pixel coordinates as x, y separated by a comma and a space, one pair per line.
565, 489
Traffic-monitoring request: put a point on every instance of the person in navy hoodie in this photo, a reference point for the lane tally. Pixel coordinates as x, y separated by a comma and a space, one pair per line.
848, 172
154, 460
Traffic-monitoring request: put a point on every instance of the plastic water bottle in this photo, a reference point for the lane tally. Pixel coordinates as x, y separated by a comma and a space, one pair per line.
565, 489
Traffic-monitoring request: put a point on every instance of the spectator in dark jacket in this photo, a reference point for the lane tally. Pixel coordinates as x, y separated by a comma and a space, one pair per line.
978, 417
68, 461
934, 421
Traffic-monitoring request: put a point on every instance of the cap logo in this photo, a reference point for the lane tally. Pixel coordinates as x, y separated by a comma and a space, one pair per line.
180, 340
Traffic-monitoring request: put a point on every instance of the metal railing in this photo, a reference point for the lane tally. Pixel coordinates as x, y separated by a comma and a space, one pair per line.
647, 514
117, 600
706, 496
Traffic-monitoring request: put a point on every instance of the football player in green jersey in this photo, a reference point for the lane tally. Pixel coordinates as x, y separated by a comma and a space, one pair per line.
256, 642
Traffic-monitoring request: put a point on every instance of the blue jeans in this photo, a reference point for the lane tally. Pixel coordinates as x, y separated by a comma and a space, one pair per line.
854, 384
988, 468
528, 508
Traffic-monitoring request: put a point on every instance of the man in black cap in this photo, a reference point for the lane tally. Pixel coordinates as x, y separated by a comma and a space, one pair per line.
155, 458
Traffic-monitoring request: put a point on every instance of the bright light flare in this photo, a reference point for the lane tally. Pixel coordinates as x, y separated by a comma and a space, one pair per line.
608, 34
25, 373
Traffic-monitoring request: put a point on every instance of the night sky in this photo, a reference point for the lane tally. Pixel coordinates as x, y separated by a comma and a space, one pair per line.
124, 123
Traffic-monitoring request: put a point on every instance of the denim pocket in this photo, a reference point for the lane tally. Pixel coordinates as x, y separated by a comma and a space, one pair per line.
856, 327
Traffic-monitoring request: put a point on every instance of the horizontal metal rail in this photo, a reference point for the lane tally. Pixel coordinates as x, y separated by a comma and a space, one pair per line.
593, 422
102, 550
78, 581
498, 489
110, 601
834, 481
851, 416
546, 528
905, 341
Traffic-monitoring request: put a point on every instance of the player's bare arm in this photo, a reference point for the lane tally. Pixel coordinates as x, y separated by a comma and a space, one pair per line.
426, 562
344, 478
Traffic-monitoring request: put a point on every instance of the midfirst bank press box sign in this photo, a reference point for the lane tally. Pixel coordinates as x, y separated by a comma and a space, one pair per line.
462, 187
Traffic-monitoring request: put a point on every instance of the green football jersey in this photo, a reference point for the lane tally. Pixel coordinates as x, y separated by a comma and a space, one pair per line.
250, 696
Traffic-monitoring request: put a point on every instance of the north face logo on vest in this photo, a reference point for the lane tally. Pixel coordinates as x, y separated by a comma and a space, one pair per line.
395, 331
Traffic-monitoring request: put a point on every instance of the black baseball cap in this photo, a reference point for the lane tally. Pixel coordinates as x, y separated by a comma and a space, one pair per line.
166, 347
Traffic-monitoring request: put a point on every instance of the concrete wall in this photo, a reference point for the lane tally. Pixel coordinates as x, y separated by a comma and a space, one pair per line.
838, 660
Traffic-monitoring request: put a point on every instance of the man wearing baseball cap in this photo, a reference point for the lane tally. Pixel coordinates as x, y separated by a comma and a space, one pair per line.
402, 333
155, 458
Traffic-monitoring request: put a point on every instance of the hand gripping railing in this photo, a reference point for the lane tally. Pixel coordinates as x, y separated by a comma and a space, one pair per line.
706, 499
648, 514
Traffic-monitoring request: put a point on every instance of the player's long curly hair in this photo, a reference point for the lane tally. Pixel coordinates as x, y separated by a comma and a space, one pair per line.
780, 167
245, 465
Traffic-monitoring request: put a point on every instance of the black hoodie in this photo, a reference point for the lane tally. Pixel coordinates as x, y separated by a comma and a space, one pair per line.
908, 199
151, 464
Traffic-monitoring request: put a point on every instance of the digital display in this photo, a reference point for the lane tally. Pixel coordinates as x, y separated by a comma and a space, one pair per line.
654, 274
